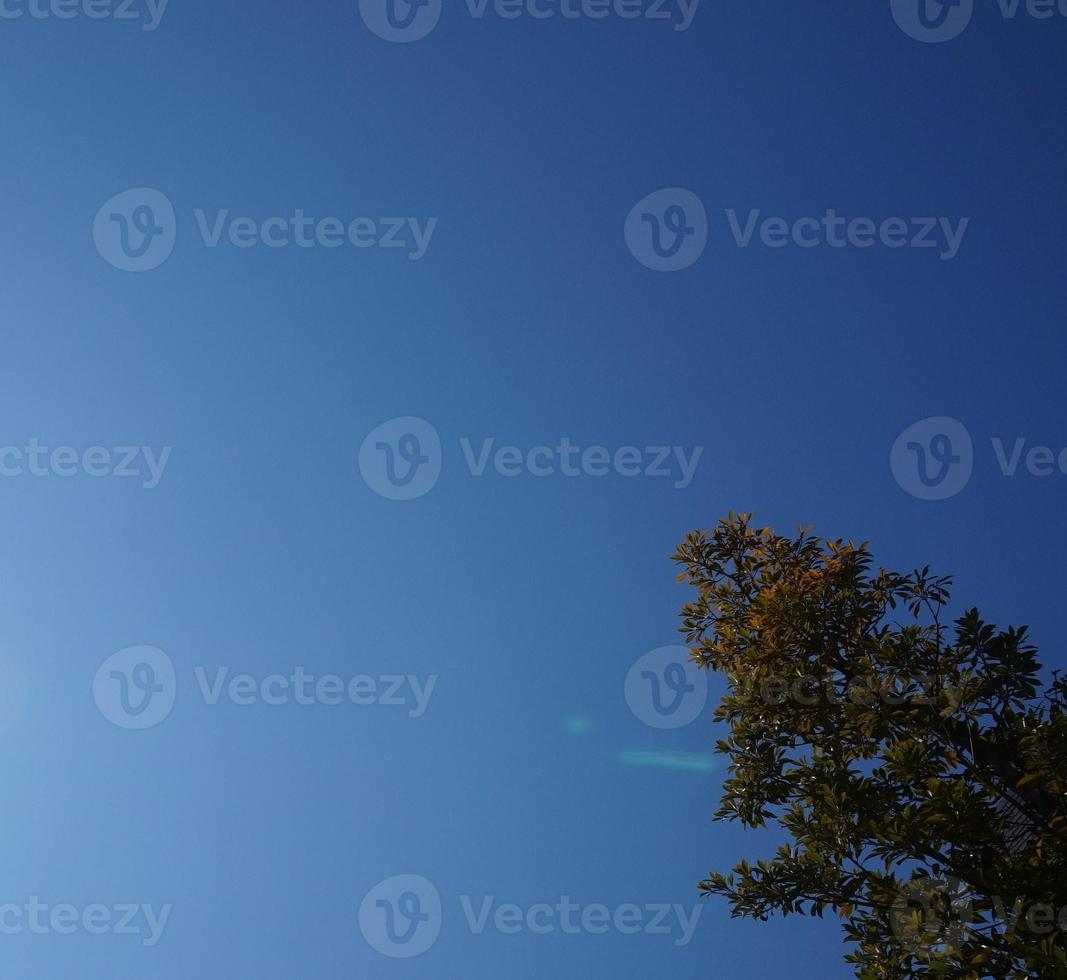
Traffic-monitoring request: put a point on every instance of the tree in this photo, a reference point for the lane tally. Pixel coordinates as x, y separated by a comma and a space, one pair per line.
918, 770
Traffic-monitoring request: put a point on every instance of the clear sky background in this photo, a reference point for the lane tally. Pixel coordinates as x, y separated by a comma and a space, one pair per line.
527, 321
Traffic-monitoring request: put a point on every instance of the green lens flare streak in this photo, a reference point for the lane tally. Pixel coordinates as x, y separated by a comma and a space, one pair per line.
578, 725
667, 760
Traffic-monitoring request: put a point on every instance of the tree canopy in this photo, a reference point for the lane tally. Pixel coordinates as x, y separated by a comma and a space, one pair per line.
918, 767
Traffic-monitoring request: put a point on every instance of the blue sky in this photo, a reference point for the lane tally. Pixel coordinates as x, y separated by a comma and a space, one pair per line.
265, 546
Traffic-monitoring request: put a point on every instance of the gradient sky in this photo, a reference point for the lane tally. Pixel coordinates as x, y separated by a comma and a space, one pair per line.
527, 321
